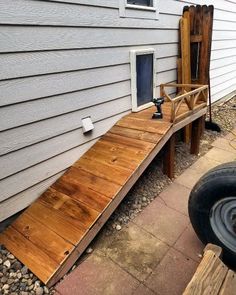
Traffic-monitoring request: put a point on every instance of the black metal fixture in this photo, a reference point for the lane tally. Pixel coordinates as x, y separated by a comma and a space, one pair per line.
158, 102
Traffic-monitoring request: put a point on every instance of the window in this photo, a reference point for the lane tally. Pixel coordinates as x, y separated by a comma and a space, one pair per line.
142, 78
139, 9
141, 2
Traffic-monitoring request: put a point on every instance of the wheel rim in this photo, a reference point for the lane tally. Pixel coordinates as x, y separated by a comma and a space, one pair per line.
223, 221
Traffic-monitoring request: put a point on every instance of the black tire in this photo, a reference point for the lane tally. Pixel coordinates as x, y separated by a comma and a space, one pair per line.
212, 209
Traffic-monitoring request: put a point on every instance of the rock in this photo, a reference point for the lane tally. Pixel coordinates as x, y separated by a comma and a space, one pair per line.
45, 289
118, 227
19, 275
10, 281
23, 286
39, 291
7, 263
1, 261
24, 270
1, 275
31, 287
89, 250
5, 287
16, 265
73, 267
13, 288
3, 280
10, 256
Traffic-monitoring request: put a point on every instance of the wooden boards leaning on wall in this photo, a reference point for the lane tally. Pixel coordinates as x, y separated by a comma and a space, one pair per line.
195, 37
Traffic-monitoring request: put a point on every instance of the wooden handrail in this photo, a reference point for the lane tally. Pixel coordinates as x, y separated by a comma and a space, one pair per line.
182, 85
189, 93
191, 98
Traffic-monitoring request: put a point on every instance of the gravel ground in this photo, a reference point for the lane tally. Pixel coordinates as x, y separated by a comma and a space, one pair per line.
16, 279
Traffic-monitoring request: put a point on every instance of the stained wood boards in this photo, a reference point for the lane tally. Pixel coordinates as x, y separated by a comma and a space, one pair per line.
200, 25
212, 275
54, 231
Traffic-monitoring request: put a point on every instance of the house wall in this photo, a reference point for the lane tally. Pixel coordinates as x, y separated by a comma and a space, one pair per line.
64, 60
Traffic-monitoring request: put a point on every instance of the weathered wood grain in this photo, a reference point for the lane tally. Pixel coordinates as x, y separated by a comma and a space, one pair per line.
74, 209
46, 240
118, 175
208, 276
69, 186
29, 253
61, 224
136, 134
229, 285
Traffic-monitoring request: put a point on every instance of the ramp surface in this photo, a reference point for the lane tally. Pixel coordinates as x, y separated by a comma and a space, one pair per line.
54, 231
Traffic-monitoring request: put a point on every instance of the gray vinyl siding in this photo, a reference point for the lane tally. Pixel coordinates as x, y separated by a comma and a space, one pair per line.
61, 61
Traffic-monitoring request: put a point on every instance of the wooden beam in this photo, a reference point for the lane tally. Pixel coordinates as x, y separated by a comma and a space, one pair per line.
196, 135
169, 157
187, 134
195, 38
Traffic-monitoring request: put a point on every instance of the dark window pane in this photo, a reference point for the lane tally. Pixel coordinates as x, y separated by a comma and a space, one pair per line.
140, 2
144, 67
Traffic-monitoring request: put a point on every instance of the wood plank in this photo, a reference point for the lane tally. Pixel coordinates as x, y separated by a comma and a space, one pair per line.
185, 49
33, 257
70, 207
69, 186
113, 174
195, 38
66, 227
135, 134
145, 125
93, 182
147, 113
208, 276
214, 248
205, 54
120, 153
113, 159
141, 147
47, 240
112, 144
229, 285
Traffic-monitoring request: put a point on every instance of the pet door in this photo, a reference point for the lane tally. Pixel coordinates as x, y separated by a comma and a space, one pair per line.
142, 78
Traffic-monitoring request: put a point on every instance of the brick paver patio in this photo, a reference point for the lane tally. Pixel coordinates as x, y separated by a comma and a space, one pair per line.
158, 252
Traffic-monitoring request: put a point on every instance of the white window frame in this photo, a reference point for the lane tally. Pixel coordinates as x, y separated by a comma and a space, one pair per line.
125, 7
134, 99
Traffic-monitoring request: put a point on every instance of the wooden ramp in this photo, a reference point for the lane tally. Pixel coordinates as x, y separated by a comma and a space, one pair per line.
54, 231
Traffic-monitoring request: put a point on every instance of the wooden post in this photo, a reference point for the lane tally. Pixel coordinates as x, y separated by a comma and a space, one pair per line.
187, 133
203, 118
196, 135
169, 157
